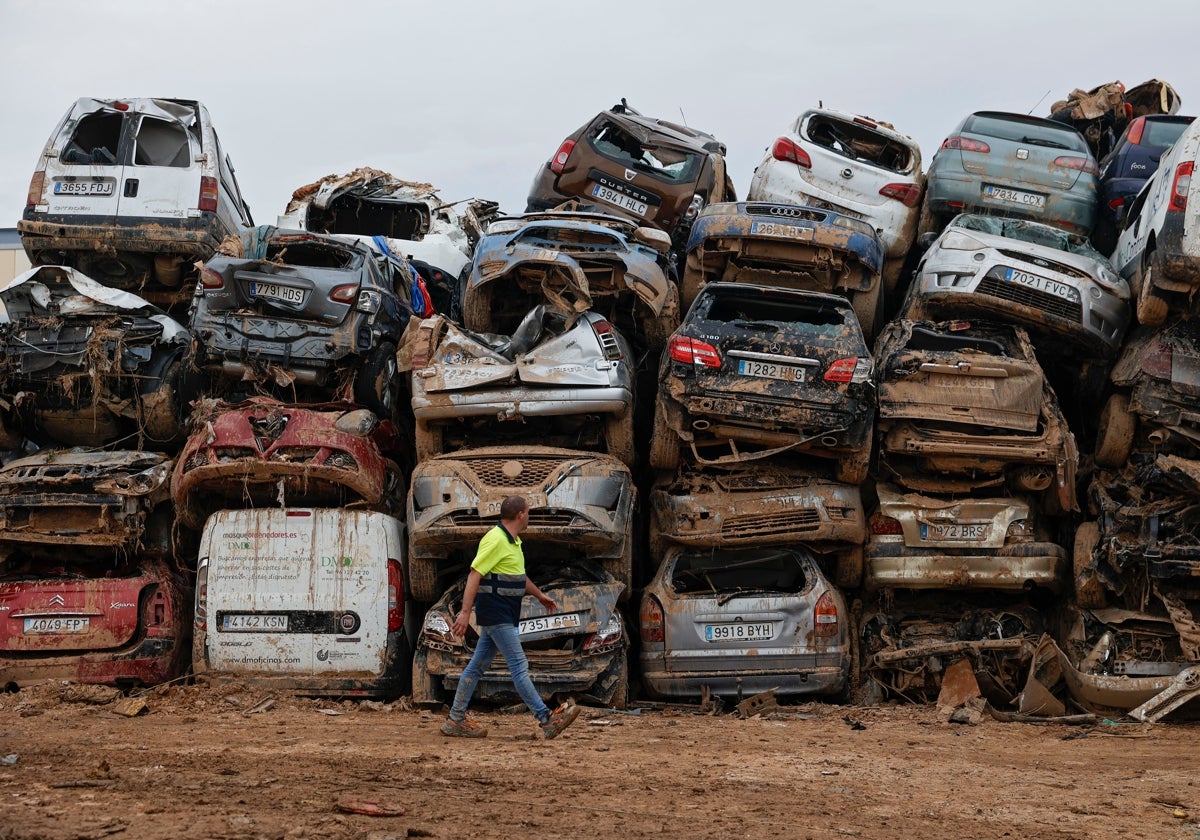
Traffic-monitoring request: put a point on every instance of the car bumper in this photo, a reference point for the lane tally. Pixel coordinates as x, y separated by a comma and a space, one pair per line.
154, 660
53, 519
197, 237
953, 193
1023, 566
594, 676
665, 676
520, 401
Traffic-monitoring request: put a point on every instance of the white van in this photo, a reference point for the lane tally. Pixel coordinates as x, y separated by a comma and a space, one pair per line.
1158, 249
305, 600
131, 189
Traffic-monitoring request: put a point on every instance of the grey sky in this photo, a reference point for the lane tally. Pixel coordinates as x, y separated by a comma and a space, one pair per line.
474, 96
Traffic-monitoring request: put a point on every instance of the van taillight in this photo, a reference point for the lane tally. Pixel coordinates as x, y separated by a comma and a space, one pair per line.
608, 340
826, 616
395, 592
36, 185
1180, 186
209, 279
651, 620
906, 194
208, 194
966, 144
559, 161
785, 149
202, 595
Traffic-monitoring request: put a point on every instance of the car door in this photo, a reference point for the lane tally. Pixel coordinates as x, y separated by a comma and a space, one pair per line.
161, 179
83, 168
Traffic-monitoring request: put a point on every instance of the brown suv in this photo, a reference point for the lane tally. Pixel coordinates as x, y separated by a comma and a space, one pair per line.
651, 170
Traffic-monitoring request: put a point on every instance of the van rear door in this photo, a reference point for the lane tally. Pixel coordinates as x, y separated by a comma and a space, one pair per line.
161, 176
83, 165
298, 591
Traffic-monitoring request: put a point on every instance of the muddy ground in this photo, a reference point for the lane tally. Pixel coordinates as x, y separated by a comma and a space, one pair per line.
198, 762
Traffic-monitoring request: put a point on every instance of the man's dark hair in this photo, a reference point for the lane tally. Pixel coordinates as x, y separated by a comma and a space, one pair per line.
512, 506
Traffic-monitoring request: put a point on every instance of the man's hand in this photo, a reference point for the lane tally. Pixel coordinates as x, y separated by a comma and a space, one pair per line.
461, 623
549, 603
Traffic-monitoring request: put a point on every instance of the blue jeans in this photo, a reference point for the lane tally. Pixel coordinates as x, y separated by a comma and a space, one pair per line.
503, 638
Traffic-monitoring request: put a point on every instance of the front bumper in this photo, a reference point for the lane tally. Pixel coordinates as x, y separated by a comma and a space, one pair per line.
1022, 566
514, 401
552, 672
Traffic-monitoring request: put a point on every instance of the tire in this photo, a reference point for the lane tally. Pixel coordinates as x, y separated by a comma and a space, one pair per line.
477, 309
621, 567
620, 698
892, 269
664, 443
424, 687
377, 385
850, 568
618, 437
853, 467
165, 408
428, 440
1114, 438
868, 306
1151, 309
928, 221
1089, 591
422, 579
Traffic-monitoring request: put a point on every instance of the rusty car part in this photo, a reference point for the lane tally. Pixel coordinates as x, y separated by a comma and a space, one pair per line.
1184, 688
579, 650
1102, 113
579, 501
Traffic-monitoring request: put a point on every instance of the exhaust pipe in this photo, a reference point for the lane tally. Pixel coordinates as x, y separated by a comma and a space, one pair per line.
1159, 436
700, 425
829, 440
168, 271
1034, 479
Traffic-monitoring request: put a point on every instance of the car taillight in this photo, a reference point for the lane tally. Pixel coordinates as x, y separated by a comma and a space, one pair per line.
120, 106
209, 279
1021, 530
608, 635
208, 194
347, 293
966, 144
651, 620
202, 595
865, 121
907, 194
1082, 164
826, 616
559, 161
785, 149
36, 186
885, 525
1134, 135
851, 369
1116, 203
1157, 362
608, 340
692, 351
1179, 187
395, 594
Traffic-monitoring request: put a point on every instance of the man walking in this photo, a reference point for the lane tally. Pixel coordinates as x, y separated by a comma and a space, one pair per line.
495, 586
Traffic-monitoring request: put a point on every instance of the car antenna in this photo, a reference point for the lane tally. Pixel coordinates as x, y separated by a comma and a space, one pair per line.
1039, 102
682, 116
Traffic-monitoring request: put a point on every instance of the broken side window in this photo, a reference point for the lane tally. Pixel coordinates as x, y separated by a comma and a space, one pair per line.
859, 142
932, 341
618, 145
371, 216
312, 254
762, 570
161, 143
95, 139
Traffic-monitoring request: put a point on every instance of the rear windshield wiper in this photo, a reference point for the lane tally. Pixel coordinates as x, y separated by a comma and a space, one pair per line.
759, 325
1039, 141
729, 596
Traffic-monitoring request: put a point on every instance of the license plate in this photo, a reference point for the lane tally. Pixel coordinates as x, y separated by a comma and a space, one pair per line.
254, 623
491, 506
771, 370
83, 187
619, 199
277, 292
781, 231
1025, 199
558, 621
1042, 284
57, 624
738, 631
965, 531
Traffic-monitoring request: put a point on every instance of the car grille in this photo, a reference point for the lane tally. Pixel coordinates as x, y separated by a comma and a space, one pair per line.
775, 523
533, 470
1061, 268
1029, 297
787, 212
537, 519
583, 239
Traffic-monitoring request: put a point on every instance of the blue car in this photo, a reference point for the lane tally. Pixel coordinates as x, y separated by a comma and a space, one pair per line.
788, 245
1128, 166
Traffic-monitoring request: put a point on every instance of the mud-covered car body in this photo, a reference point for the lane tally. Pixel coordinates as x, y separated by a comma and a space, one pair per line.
86, 499
1053, 283
133, 192
1013, 165
787, 245
995, 543
571, 378
304, 309
578, 650
588, 261
84, 364
581, 501
650, 170
733, 621
754, 371
103, 618
908, 645
965, 406
851, 164
265, 453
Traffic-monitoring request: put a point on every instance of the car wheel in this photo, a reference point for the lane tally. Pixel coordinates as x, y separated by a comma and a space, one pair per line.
121, 271
853, 467
618, 437
422, 579
424, 686
664, 443
868, 307
621, 568
428, 440
1151, 309
1089, 591
164, 406
477, 309
849, 568
620, 697
1114, 438
377, 385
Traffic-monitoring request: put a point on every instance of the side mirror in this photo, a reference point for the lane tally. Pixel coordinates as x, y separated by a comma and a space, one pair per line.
658, 240
927, 239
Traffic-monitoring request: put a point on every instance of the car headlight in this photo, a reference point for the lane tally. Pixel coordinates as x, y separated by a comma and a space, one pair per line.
437, 633
138, 484
956, 241
1112, 282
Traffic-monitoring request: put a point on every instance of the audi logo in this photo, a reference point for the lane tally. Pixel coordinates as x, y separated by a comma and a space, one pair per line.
785, 211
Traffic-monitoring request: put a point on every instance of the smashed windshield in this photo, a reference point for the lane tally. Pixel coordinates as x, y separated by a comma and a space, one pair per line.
1035, 233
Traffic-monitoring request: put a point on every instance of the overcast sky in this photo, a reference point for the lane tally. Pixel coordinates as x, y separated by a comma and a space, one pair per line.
474, 96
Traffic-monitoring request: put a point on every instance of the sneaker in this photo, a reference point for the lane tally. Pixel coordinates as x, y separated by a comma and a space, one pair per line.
465, 728
560, 719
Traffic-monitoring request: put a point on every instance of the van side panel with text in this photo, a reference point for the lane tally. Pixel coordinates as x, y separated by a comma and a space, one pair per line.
308, 600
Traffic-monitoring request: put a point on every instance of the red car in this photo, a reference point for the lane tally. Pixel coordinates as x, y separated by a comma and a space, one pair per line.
263, 452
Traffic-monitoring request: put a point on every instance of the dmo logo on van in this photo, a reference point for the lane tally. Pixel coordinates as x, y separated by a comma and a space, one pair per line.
336, 562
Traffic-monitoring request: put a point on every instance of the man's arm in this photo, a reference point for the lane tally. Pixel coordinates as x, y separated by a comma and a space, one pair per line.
545, 600
463, 619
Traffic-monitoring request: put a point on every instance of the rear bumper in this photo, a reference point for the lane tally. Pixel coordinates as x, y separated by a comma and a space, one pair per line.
520, 401
806, 675
891, 564
152, 661
195, 237
1075, 208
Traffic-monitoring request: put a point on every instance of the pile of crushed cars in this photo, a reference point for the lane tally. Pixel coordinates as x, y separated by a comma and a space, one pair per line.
873, 426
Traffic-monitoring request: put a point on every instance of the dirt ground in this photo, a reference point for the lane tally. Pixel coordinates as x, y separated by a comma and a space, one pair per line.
199, 762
